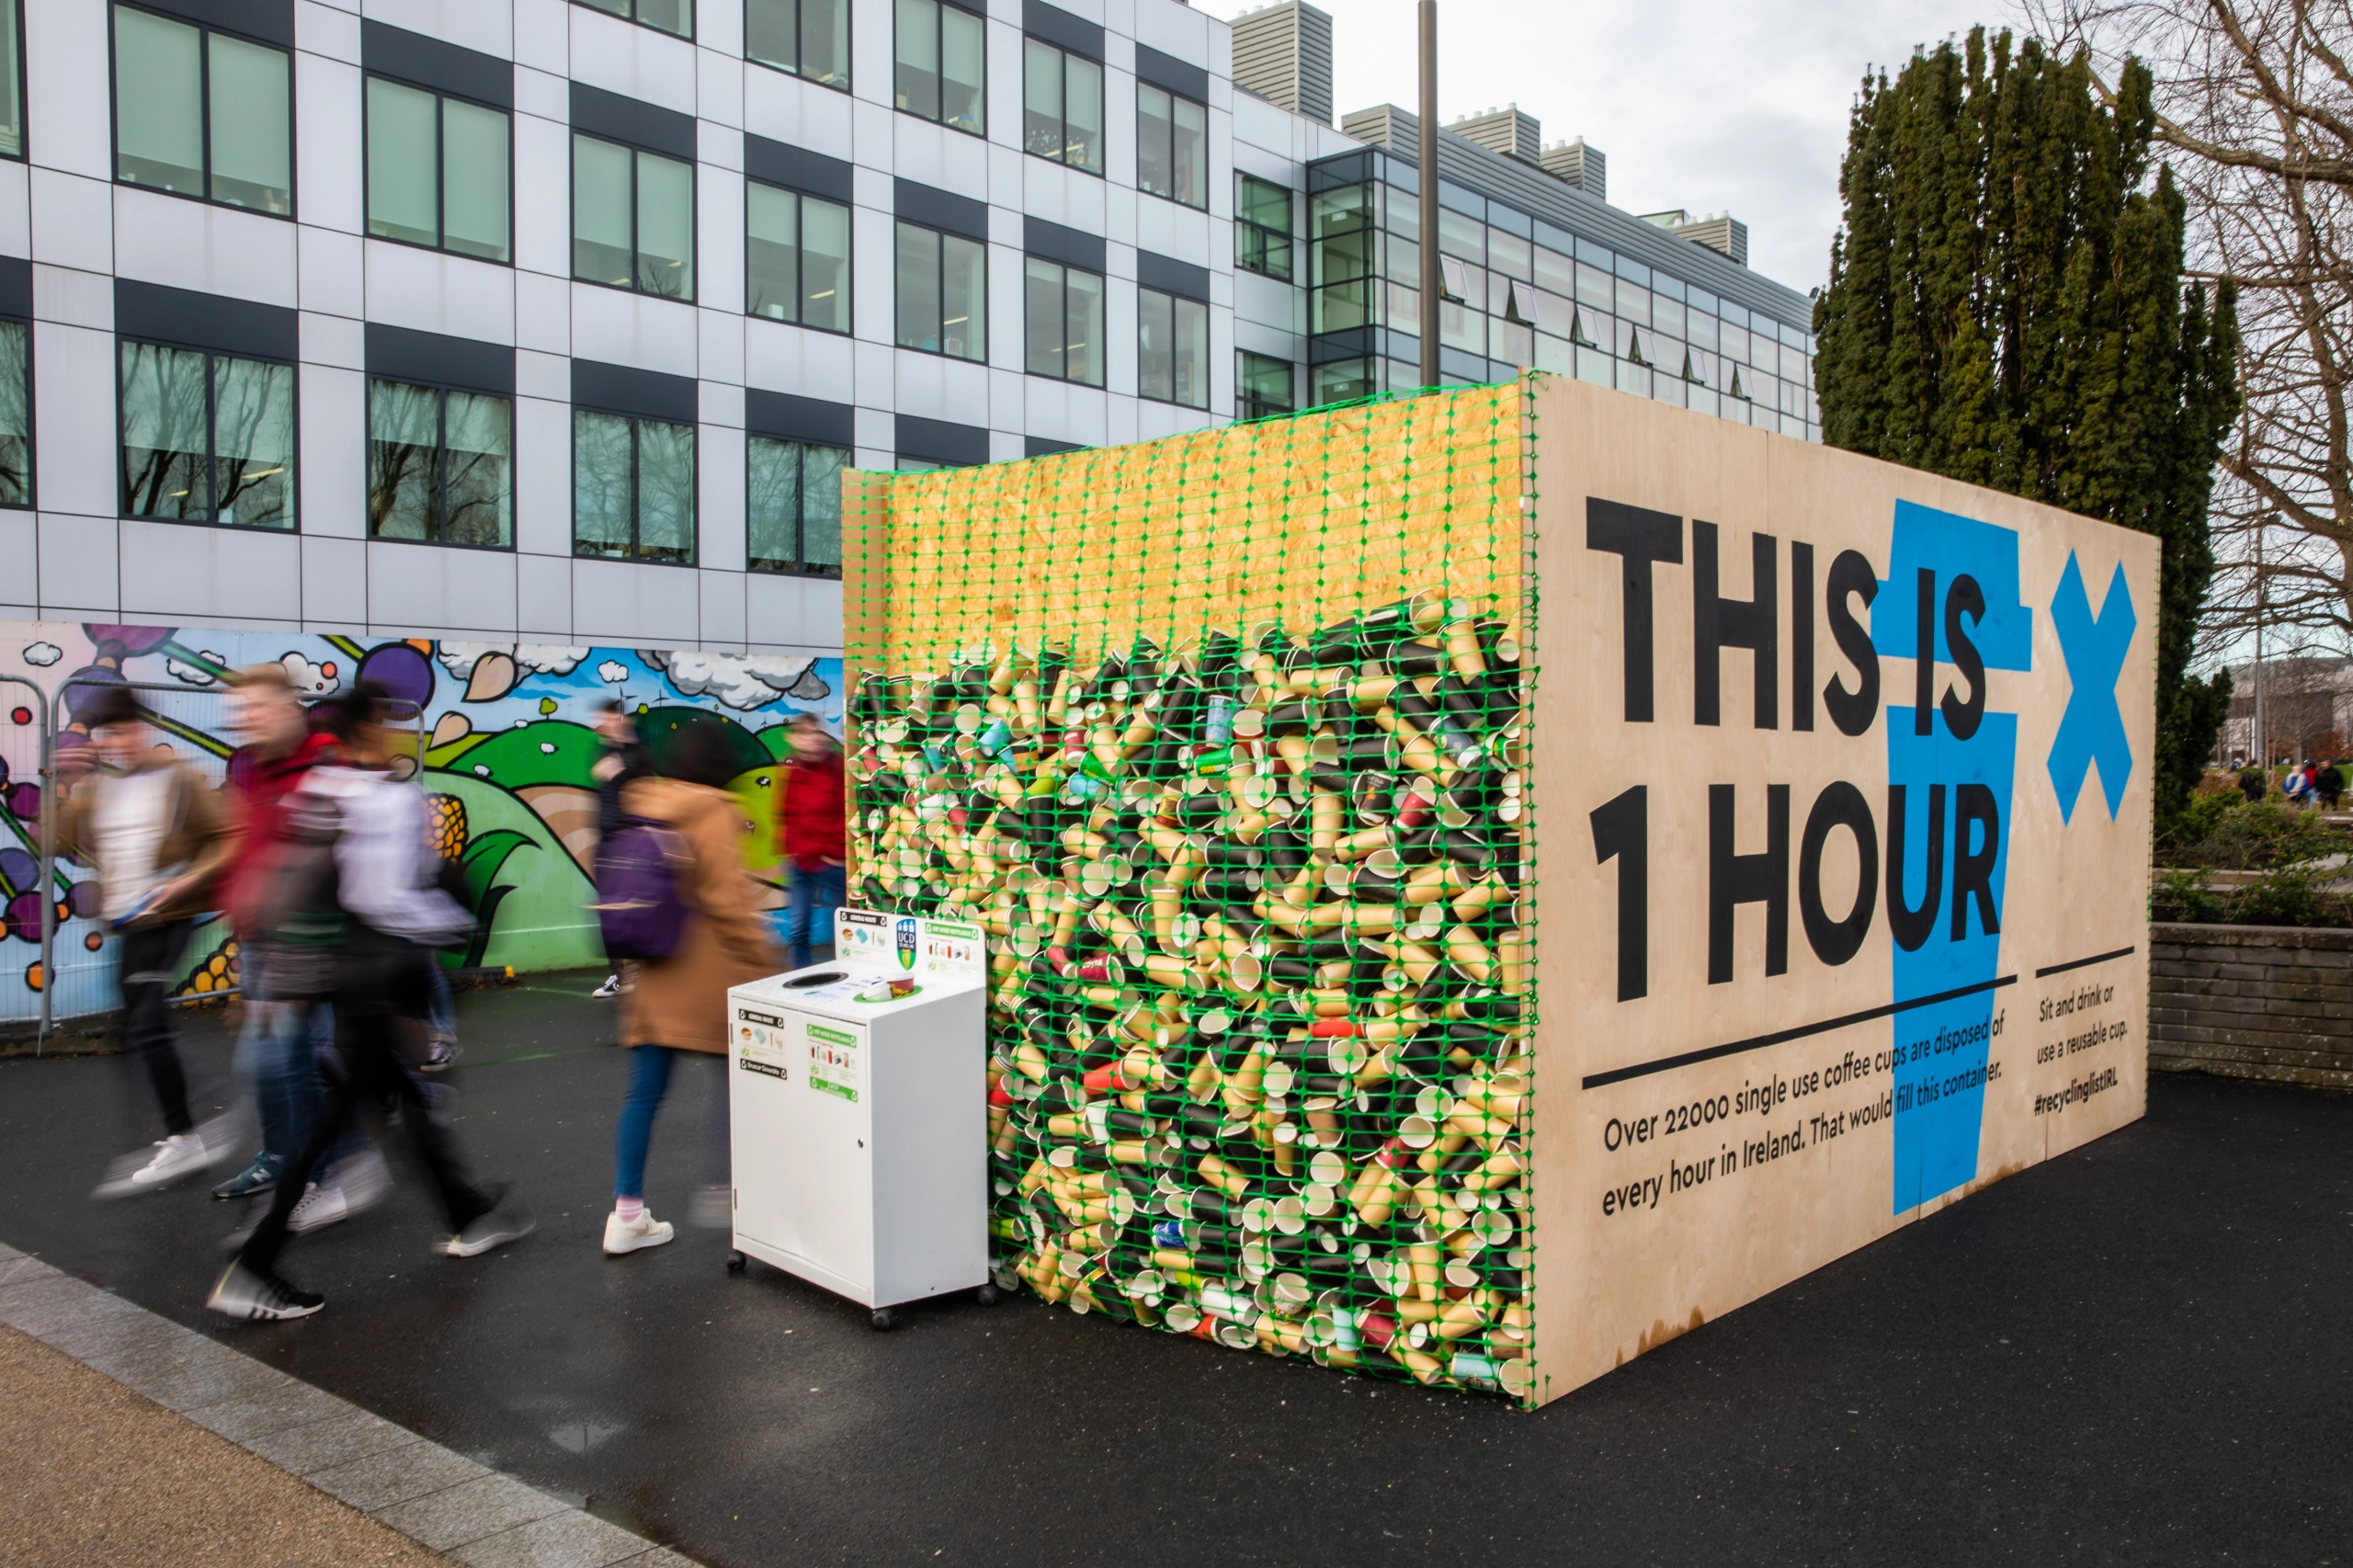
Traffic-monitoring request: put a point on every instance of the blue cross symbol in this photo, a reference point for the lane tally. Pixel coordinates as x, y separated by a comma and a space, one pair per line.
2092, 729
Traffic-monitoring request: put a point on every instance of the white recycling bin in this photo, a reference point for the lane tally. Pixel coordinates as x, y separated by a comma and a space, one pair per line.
860, 1119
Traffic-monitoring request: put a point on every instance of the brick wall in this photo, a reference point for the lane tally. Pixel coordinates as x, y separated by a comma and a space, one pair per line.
2271, 1002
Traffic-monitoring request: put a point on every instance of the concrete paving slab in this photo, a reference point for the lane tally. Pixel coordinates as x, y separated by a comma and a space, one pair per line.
470, 1511
561, 1541
290, 1404
338, 1440
397, 1475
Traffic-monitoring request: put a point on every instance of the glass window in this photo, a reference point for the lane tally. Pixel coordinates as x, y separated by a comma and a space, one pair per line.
1633, 301
200, 113
207, 437
808, 37
670, 16
1342, 259
1465, 237
943, 293
436, 171
796, 262
440, 465
1596, 288
1555, 273
1667, 315
632, 488
1061, 106
1510, 255
1065, 309
1344, 380
1263, 386
12, 83
1171, 146
793, 507
942, 52
1262, 227
632, 218
16, 415
1172, 349
1701, 329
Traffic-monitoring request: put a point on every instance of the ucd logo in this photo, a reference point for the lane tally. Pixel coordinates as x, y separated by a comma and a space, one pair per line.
908, 943
2092, 729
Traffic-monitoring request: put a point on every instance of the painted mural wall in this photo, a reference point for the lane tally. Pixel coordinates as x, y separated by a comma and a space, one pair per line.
507, 743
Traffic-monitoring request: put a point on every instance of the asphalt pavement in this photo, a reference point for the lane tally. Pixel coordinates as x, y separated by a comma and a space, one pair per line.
2135, 1353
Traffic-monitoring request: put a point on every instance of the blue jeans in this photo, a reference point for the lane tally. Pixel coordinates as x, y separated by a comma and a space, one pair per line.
808, 917
440, 1007
649, 1082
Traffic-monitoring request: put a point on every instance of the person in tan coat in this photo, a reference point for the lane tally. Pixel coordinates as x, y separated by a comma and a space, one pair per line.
152, 827
678, 1006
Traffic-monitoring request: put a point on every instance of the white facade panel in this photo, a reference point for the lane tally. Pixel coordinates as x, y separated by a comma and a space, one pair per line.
15, 210
334, 584
334, 467
78, 574
73, 221
330, 174
429, 589
194, 245
637, 330
75, 457
635, 62
68, 96
427, 290
646, 607
193, 572
487, 27
543, 476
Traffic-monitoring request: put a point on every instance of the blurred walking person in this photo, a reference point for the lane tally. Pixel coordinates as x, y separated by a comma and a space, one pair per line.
354, 914
623, 763
151, 826
680, 844
275, 1054
810, 835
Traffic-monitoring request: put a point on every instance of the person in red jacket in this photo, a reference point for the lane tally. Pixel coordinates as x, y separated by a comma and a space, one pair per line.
808, 835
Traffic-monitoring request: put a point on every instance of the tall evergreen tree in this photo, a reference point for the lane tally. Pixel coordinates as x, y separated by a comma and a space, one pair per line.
2006, 307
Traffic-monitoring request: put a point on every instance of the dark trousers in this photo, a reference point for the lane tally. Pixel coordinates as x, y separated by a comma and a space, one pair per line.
380, 991
149, 955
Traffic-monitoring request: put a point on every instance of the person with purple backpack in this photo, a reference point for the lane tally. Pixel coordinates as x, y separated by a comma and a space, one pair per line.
674, 896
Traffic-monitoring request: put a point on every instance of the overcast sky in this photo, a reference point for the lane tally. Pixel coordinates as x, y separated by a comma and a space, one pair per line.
1707, 105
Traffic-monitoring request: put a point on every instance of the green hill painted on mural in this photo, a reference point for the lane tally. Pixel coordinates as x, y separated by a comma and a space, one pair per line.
551, 751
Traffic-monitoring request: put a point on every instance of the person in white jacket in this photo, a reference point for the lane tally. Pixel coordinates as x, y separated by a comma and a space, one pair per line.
357, 906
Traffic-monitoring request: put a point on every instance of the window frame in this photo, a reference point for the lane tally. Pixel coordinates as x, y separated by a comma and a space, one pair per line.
211, 435
1100, 168
440, 188
636, 20
849, 46
1065, 269
694, 211
1174, 97
637, 486
1245, 406
1247, 226
939, 54
802, 567
441, 471
849, 258
24, 120
898, 334
1175, 299
204, 30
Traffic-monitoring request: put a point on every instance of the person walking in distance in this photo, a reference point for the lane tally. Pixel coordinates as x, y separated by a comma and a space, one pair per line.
808, 835
274, 1051
355, 913
622, 762
152, 828
677, 1008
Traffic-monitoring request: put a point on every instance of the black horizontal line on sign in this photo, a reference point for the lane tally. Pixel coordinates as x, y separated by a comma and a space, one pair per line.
1799, 1031
2085, 963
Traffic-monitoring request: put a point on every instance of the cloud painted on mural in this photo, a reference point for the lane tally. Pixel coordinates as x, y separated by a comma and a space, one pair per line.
193, 674
612, 672
43, 654
739, 680
312, 674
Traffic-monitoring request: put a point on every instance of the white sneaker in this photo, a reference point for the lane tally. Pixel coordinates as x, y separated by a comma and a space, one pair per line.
611, 989
629, 1235
364, 1180
181, 1154
318, 1208
261, 1298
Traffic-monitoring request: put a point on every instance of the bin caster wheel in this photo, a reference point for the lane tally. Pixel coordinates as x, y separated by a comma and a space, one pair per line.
985, 1295
735, 1262
882, 1320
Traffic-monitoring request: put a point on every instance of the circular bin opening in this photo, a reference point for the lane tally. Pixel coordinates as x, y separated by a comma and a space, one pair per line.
821, 977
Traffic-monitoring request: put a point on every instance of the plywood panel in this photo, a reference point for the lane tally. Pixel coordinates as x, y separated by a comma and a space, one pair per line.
1648, 1226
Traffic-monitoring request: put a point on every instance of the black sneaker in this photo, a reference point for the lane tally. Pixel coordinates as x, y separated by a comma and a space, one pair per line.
261, 1298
